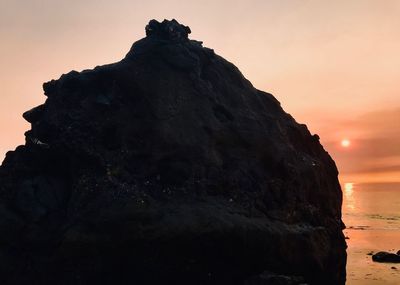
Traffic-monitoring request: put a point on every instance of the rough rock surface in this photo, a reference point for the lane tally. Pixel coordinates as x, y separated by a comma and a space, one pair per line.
167, 167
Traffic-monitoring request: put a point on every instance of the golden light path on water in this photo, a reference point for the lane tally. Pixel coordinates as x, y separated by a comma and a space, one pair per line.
348, 192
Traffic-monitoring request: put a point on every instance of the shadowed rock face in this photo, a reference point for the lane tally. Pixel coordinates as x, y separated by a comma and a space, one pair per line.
168, 167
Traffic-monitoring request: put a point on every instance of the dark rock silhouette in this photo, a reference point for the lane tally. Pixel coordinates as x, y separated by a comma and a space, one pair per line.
168, 167
384, 256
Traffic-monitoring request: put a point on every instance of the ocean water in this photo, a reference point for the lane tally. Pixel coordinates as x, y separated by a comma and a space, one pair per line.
371, 213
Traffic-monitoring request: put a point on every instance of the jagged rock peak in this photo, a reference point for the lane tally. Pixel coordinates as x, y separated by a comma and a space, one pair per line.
168, 30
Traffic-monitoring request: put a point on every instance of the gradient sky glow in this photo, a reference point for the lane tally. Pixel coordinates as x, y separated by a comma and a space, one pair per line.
334, 65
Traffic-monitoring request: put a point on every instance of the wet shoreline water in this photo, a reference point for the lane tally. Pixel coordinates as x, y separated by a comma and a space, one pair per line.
371, 213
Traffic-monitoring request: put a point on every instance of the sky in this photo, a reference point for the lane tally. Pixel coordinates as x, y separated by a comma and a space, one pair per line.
333, 65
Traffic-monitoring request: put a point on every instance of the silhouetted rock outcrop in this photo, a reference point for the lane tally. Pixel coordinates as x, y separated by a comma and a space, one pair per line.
168, 167
384, 256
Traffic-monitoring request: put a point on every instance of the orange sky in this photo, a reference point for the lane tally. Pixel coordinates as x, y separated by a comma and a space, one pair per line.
334, 65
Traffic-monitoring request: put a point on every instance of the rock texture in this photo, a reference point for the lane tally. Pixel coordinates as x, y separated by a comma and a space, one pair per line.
168, 167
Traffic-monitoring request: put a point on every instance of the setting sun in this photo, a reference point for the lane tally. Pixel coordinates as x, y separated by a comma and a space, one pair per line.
345, 143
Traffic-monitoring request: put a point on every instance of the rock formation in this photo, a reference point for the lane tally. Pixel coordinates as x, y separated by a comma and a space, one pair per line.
388, 257
168, 167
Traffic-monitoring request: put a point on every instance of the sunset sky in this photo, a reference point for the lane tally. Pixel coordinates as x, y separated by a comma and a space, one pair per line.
333, 65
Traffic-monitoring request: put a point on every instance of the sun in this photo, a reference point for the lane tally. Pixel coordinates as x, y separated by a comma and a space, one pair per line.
345, 143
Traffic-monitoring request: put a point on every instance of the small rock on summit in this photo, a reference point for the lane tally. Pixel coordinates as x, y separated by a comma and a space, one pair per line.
168, 167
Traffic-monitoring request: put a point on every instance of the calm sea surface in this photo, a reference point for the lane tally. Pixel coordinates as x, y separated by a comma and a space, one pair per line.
371, 213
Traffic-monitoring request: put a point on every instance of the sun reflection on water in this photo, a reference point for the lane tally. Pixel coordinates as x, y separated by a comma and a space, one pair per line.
348, 193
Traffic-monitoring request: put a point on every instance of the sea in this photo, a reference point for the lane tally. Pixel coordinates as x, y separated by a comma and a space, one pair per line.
371, 213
